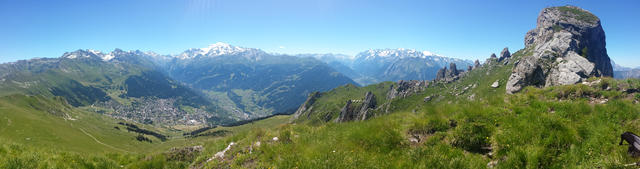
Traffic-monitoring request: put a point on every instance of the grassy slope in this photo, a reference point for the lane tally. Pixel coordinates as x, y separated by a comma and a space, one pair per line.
556, 127
36, 131
330, 103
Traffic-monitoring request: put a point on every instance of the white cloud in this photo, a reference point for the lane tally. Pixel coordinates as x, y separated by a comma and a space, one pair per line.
281, 47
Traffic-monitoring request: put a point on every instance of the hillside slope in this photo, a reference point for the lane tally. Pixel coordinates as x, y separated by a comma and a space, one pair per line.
463, 126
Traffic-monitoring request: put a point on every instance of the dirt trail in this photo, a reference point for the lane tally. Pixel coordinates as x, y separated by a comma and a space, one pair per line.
99, 142
95, 139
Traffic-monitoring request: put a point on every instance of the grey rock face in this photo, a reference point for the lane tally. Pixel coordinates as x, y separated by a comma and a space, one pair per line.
453, 70
346, 113
504, 55
306, 107
568, 46
441, 74
368, 104
351, 112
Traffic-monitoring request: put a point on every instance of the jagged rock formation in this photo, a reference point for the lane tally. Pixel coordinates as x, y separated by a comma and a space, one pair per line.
441, 74
504, 55
476, 64
450, 74
357, 112
307, 106
568, 46
491, 59
453, 70
403, 88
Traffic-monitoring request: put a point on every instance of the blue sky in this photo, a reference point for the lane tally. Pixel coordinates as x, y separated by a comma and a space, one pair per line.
465, 29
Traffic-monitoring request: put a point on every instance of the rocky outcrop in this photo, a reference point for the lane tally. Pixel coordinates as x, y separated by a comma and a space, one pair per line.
450, 74
568, 47
352, 111
404, 88
307, 106
441, 74
504, 55
368, 104
476, 64
453, 70
491, 59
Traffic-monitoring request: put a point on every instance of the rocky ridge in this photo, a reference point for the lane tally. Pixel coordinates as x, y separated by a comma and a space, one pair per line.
568, 47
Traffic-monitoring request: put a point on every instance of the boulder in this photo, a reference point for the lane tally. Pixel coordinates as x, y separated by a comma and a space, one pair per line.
495, 84
568, 47
427, 99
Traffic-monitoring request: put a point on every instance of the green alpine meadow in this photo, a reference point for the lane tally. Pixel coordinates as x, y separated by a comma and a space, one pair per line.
329, 84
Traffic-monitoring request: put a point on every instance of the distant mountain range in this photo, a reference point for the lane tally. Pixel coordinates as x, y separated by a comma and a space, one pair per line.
621, 72
250, 82
217, 84
378, 65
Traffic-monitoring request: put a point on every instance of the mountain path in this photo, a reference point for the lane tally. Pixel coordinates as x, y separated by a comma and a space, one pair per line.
95, 139
99, 142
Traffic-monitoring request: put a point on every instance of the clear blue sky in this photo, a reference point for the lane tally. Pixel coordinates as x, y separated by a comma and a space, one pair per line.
465, 29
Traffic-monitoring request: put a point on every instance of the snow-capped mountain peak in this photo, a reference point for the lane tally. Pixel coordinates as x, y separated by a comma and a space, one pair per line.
88, 53
395, 53
220, 48
216, 49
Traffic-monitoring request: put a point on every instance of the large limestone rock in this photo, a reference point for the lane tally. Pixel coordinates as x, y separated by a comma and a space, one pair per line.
568, 47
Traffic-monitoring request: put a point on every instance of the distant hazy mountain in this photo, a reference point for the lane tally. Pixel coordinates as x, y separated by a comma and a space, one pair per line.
621, 72
379, 65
